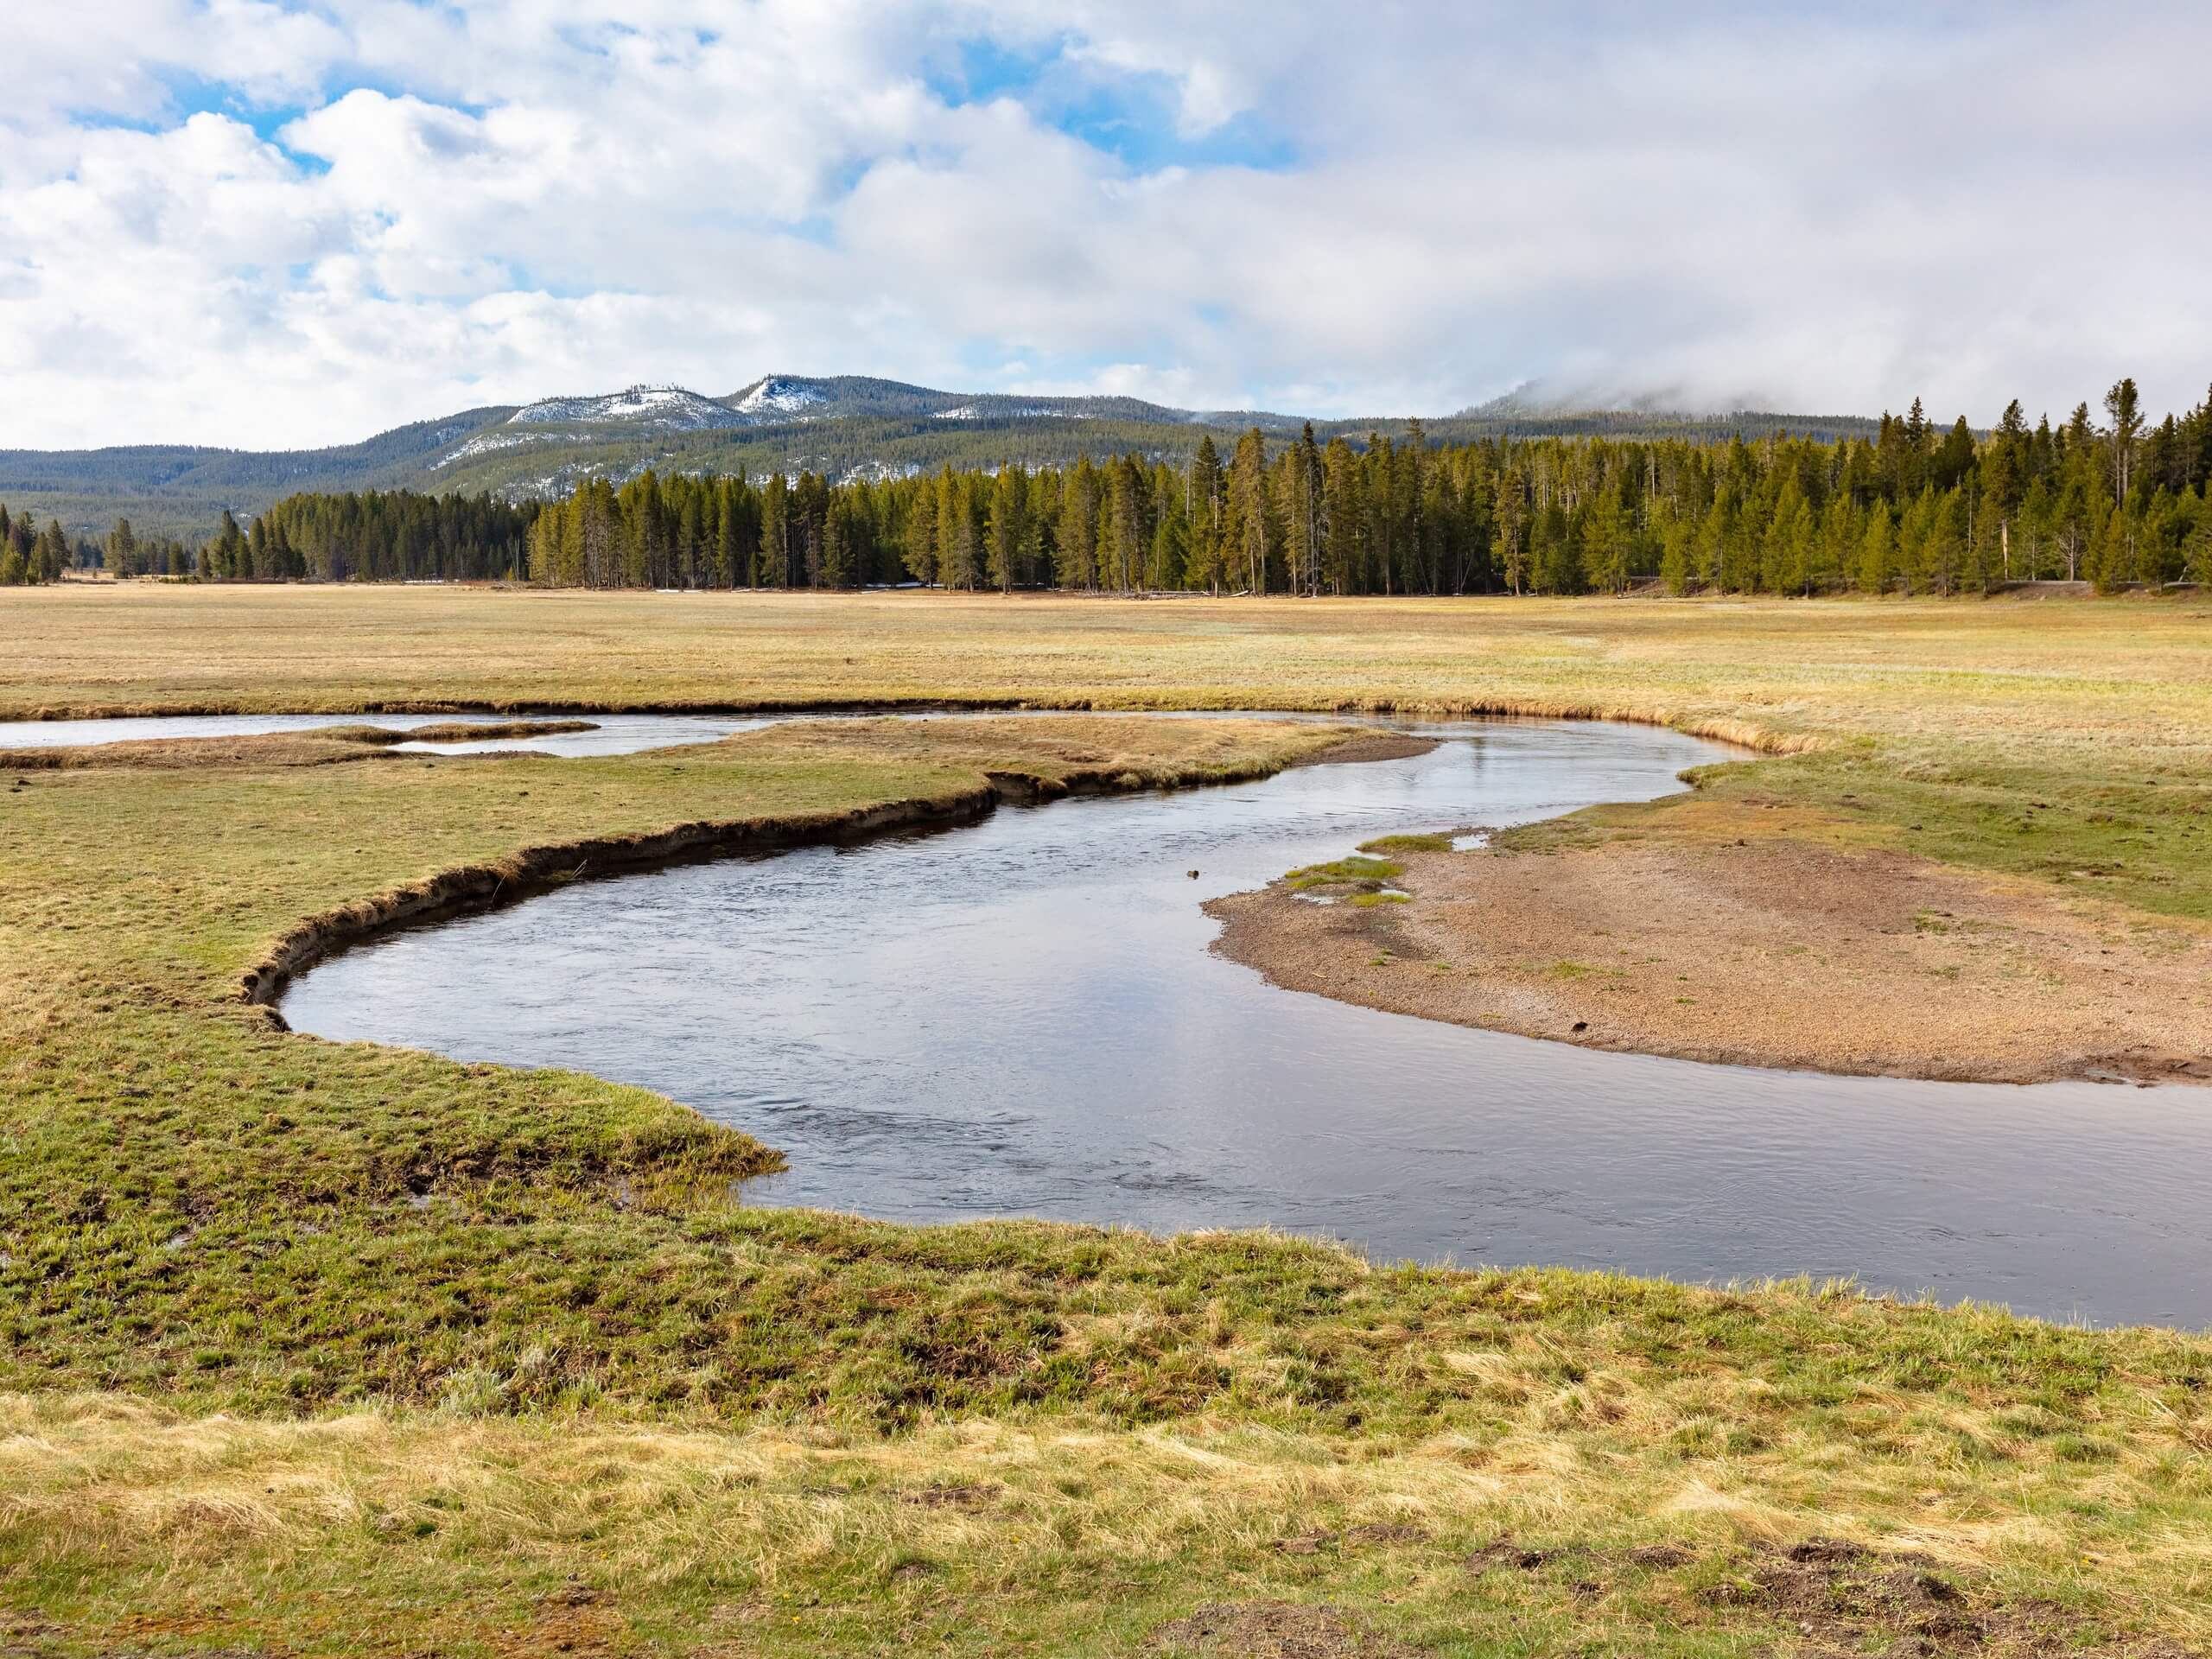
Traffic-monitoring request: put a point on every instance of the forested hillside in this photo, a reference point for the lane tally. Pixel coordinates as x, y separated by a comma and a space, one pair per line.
842, 428
182, 490
1915, 507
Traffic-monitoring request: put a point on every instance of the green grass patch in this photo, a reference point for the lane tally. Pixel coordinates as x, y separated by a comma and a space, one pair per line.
1385, 845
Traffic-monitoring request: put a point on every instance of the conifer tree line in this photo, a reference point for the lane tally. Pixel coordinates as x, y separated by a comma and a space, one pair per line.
30, 555
382, 535
1918, 508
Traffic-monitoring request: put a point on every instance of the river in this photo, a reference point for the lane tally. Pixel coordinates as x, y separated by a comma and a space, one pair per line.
1021, 1017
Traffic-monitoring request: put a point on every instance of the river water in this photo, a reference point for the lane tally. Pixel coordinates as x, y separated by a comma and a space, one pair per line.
1021, 1017
613, 734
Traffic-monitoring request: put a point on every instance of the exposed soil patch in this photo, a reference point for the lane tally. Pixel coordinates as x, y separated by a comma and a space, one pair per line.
968, 1498
1837, 1598
1505, 1553
1378, 1532
1843, 1598
1276, 1630
1775, 951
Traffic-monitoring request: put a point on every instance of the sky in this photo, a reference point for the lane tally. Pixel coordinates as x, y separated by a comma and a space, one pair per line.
270, 225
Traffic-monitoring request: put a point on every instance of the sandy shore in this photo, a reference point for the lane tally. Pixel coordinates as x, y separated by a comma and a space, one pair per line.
1775, 951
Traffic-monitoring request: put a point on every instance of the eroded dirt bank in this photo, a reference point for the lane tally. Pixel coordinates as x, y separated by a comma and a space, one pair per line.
1773, 951
1100, 759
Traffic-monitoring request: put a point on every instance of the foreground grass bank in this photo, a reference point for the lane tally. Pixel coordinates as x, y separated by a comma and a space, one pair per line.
502, 1367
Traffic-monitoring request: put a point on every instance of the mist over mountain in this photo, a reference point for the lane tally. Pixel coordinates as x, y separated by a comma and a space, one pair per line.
842, 426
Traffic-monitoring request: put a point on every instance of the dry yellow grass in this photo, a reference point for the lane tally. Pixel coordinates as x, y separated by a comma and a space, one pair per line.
474, 1531
2138, 670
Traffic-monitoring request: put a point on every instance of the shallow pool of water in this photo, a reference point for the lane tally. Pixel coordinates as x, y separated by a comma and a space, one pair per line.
614, 733
1021, 1017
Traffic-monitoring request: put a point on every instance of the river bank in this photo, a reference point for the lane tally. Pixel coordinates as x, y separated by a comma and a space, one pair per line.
1762, 937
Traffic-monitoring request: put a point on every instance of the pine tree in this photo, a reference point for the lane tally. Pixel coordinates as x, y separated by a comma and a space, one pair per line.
1009, 526
1678, 542
2110, 561
775, 533
2124, 406
2199, 548
122, 550
1605, 542
1078, 528
1509, 511
1249, 533
222, 557
1878, 551
50, 553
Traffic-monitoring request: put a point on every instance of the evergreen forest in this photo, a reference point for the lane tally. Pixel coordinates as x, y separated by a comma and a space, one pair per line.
2111, 498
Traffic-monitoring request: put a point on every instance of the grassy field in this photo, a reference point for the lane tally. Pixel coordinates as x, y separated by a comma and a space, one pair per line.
329, 1349
2138, 669
2066, 740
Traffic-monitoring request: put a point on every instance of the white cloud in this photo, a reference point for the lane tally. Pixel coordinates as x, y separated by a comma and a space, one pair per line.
473, 203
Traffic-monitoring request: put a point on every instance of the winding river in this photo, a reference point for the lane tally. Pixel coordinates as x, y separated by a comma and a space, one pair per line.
1021, 1017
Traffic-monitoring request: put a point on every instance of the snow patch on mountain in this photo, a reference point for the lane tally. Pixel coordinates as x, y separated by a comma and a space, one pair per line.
776, 395
669, 409
486, 443
879, 472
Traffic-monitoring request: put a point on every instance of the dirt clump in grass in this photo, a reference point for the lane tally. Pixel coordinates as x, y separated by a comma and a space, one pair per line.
1506, 1552
1687, 939
1841, 1597
1276, 1630
968, 1498
1384, 1533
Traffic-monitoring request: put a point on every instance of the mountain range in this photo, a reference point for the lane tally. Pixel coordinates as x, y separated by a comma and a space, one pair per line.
844, 426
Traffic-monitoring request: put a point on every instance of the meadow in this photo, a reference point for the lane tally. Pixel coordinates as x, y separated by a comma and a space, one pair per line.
315, 1348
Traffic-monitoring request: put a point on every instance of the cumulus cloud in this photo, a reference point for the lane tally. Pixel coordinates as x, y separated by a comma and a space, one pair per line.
243, 222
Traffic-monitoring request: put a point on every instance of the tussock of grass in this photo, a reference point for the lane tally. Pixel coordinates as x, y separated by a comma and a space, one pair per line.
1384, 845
1360, 880
1344, 872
